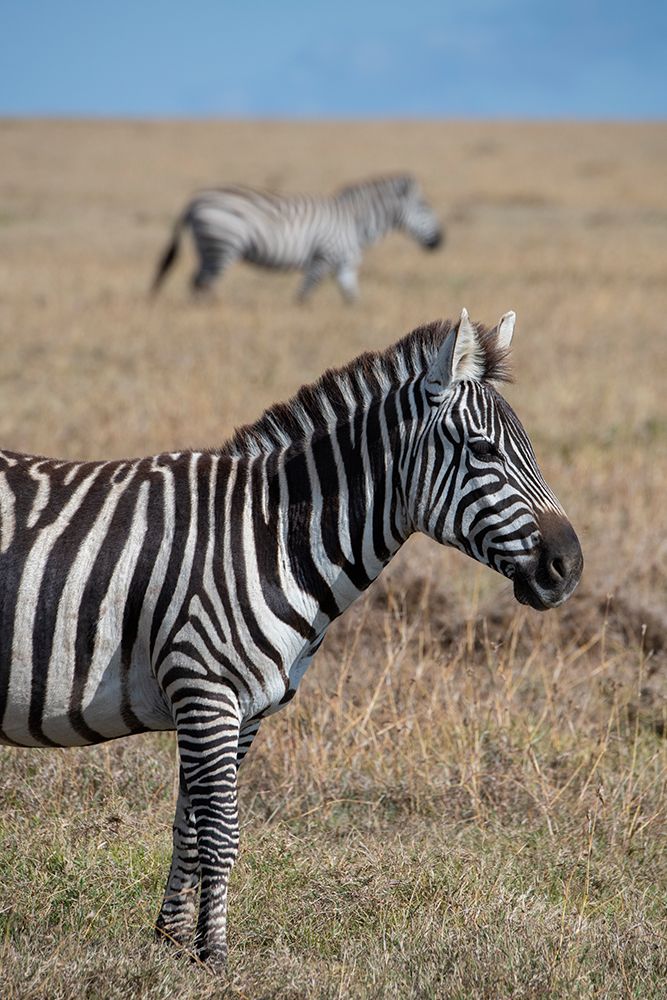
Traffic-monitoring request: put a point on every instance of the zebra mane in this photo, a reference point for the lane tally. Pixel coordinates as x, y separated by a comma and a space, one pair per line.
364, 380
398, 185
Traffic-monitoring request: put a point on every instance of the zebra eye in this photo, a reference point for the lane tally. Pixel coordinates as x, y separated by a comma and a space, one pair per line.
481, 448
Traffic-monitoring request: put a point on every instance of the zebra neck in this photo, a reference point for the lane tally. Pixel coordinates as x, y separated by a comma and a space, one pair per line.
335, 507
373, 216
374, 224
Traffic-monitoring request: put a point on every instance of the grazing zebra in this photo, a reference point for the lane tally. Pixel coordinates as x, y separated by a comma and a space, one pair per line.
319, 236
190, 591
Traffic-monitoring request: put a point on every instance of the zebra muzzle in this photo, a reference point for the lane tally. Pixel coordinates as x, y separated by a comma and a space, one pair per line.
434, 241
553, 576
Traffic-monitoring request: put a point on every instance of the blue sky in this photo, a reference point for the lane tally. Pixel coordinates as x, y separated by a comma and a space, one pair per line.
289, 58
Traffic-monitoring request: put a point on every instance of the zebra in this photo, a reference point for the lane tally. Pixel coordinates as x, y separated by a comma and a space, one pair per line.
319, 236
191, 590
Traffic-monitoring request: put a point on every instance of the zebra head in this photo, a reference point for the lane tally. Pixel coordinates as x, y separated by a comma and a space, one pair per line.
417, 218
474, 482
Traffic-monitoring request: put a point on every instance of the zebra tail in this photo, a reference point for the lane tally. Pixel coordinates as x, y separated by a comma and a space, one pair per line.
169, 256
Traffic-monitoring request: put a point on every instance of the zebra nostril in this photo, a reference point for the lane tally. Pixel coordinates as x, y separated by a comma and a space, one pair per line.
557, 569
561, 561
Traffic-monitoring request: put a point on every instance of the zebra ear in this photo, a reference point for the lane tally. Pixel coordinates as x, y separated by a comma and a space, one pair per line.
460, 357
505, 330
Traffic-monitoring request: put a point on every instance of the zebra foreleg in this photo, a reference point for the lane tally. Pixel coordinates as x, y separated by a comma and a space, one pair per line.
208, 738
176, 920
246, 736
348, 282
316, 271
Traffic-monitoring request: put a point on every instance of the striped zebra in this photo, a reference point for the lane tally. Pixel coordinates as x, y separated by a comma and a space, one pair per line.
319, 236
190, 591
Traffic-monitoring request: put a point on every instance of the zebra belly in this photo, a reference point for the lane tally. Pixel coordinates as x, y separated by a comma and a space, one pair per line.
287, 259
103, 709
55, 716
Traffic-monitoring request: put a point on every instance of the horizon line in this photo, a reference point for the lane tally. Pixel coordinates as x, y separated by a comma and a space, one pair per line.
325, 119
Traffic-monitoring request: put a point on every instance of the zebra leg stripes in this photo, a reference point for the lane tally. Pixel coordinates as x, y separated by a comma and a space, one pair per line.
176, 920
348, 282
208, 746
177, 915
317, 269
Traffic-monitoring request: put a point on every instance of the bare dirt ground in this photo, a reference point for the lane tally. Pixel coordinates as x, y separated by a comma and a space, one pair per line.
467, 799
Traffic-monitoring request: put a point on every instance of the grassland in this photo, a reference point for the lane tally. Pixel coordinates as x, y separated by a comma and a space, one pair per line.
467, 799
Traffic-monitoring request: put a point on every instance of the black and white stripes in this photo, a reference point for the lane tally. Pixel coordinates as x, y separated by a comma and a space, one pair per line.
190, 591
319, 236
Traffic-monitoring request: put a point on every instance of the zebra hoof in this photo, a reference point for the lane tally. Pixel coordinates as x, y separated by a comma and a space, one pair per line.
213, 958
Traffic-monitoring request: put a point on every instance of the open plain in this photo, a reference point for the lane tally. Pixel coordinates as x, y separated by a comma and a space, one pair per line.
467, 799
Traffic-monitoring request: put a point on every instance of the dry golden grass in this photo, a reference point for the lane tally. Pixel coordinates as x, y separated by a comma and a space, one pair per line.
467, 799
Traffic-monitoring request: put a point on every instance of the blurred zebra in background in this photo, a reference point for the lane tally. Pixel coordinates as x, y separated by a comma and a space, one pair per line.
320, 236
190, 591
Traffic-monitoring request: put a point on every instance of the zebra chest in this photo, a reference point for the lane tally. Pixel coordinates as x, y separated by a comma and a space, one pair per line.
296, 671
